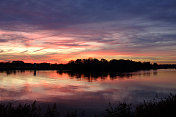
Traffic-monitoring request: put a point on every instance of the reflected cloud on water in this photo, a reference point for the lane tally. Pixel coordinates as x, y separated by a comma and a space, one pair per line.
85, 90
90, 76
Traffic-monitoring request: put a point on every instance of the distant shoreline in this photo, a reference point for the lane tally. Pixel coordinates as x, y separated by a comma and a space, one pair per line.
84, 65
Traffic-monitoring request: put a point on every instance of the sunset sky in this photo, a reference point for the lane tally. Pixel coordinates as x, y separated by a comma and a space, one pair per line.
58, 31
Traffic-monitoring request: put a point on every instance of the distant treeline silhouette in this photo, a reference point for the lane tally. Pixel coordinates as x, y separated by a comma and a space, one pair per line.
112, 65
91, 64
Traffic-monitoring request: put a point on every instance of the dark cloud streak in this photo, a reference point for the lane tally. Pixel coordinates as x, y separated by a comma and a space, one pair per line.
120, 25
56, 14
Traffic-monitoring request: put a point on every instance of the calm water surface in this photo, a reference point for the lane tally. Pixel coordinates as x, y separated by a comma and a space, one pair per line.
85, 91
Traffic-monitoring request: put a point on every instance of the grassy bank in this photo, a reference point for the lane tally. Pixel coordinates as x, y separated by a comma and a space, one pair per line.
165, 107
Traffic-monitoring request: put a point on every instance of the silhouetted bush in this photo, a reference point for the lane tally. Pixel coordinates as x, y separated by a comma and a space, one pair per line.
122, 110
165, 107
26, 110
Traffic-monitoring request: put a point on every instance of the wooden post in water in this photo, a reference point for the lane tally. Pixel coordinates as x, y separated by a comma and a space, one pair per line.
35, 65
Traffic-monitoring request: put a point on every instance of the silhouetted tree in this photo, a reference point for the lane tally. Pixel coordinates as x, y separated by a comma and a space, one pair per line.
90, 64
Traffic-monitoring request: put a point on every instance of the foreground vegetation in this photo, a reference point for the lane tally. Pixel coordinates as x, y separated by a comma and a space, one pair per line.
165, 107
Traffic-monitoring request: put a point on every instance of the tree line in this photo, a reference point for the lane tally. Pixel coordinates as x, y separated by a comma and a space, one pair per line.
105, 65
90, 64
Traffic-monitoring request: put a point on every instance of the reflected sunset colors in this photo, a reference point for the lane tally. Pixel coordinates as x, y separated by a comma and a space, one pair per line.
83, 89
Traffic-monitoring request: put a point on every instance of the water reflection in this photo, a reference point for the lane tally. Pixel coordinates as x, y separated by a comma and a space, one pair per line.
89, 76
93, 76
88, 91
8, 72
35, 73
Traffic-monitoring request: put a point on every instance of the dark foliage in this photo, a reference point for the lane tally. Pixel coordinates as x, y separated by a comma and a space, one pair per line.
85, 65
104, 65
165, 107
122, 110
26, 110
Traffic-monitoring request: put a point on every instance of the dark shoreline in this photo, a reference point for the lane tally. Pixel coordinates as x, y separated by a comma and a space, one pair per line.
163, 107
87, 65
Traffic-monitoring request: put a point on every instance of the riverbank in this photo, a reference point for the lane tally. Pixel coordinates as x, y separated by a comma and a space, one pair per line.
164, 107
